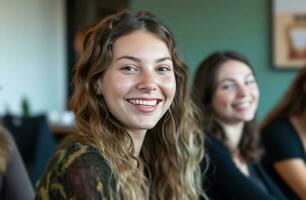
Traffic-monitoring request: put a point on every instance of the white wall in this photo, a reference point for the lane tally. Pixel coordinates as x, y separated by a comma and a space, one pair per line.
291, 6
32, 55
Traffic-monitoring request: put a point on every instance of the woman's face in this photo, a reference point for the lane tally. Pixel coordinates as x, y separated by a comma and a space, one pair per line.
236, 96
139, 85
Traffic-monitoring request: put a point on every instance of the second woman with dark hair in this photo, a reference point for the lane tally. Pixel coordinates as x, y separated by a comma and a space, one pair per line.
284, 139
226, 87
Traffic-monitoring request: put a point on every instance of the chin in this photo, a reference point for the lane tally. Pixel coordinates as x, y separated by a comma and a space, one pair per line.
248, 118
145, 126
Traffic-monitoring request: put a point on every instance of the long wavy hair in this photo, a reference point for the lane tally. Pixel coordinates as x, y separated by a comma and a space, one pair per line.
5, 150
172, 150
205, 84
293, 102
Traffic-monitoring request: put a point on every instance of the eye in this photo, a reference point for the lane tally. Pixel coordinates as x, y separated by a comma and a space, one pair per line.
129, 68
227, 86
163, 68
250, 81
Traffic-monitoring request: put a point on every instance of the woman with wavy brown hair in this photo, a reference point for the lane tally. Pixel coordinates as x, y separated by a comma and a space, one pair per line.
284, 139
14, 180
226, 87
139, 136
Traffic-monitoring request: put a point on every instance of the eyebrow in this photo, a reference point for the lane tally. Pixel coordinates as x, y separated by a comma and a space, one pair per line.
139, 60
230, 79
252, 73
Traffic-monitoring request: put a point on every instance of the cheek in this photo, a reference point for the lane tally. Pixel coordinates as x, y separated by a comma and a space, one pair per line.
168, 86
218, 104
256, 93
221, 100
111, 86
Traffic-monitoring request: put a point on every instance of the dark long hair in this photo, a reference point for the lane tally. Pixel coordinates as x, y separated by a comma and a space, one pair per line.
293, 102
205, 84
172, 150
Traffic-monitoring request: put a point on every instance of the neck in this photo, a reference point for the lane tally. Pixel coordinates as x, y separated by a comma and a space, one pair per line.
233, 132
137, 137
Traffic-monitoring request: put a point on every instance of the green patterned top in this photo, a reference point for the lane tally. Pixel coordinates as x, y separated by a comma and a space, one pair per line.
76, 171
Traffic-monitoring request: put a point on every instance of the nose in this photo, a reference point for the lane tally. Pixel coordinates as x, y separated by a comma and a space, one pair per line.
242, 91
147, 81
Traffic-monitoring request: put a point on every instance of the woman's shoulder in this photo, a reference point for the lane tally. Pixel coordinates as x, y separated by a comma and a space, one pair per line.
280, 129
71, 153
7, 143
223, 178
278, 124
213, 145
4, 133
76, 169
217, 152
281, 142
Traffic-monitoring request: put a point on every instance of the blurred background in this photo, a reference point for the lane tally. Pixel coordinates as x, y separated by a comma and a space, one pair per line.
36, 43
37, 49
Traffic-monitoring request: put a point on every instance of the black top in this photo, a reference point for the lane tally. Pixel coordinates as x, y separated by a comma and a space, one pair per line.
223, 180
14, 182
281, 142
76, 171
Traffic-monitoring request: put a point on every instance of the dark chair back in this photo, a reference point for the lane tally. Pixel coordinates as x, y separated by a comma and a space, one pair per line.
34, 140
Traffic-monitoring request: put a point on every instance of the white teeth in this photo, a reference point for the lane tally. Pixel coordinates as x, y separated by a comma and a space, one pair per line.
143, 102
243, 105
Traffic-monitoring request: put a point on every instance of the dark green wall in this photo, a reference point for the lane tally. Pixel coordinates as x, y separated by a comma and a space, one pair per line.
203, 26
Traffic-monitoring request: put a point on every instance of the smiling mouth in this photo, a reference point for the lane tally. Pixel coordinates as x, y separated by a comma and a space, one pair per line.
243, 105
144, 102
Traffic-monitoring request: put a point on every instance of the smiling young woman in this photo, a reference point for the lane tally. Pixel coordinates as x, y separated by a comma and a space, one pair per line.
226, 87
139, 135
